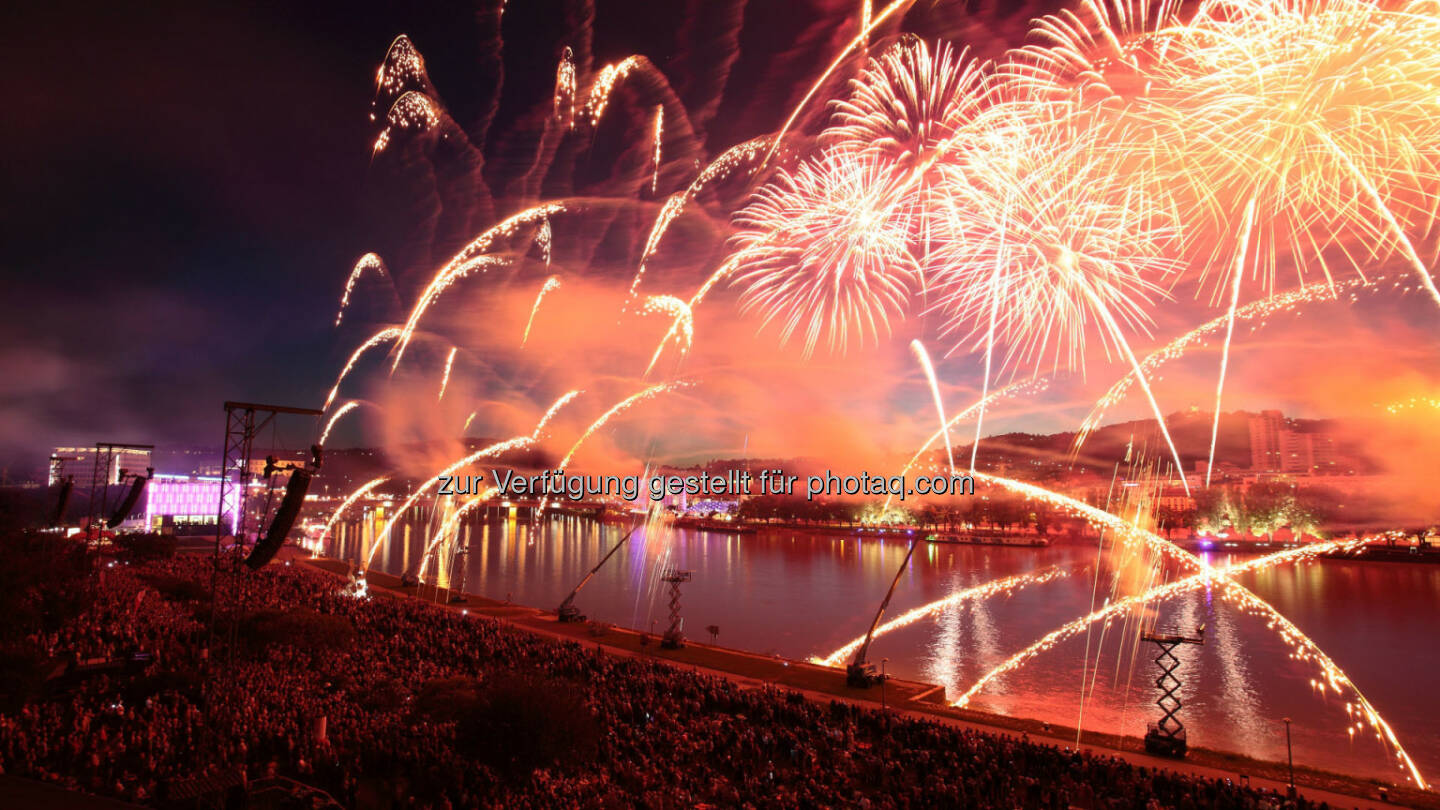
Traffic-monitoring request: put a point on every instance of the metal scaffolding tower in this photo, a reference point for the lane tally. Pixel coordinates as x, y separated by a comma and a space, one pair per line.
675, 637
100, 478
1167, 737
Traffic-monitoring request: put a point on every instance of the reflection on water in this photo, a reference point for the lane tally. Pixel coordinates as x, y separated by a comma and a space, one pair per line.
800, 595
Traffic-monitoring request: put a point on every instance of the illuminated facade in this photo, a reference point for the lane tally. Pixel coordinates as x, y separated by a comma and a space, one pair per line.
79, 462
186, 500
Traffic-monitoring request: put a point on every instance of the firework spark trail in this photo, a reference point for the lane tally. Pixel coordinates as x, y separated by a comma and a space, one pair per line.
369, 261
412, 111
449, 525
720, 167
496, 449
388, 333
1013, 389
1232, 590
565, 89
550, 285
445, 377
924, 357
659, 137
544, 239
1335, 678
1305, 648
1144, 383
438, 284
540, 427
682, 326
1308, 650
615, 410
335, 417
1240, 252
859, 41
1057, 248
1205, 577
1320, 111
1262, 309
1007, 586
349, 501
604, 84
402, 67
514, 443
471, 257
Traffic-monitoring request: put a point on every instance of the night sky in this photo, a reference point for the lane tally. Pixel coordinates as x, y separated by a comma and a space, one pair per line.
187, 184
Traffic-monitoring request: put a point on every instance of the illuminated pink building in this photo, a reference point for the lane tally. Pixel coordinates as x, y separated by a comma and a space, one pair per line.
185, 499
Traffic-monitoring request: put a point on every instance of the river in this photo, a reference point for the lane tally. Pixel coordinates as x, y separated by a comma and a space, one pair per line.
799, 595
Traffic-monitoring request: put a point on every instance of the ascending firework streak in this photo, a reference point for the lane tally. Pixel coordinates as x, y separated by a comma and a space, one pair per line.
550, 285
618, 408
924, 358
720, 167
449, 525
659, 137
335, 417
1007, 586
445, 378
1013, 389
493, 450
860, 41
349, 502
470, 258
1248, 223
388, 333
369, 261
514, 443
1305, 648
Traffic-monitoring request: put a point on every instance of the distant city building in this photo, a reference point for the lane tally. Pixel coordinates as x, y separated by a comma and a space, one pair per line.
79, 463
1277, 447
181, 500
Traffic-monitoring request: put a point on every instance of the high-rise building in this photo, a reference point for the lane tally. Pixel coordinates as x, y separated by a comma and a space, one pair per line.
79, 462
1275, 446
1266, 448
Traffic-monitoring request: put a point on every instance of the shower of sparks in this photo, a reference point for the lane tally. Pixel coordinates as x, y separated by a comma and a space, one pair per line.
360, 492
1037, 207
1006, 587
565, 89
470, 258
412, 111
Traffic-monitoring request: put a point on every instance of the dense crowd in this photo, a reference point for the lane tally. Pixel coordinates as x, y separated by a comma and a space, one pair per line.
663, 736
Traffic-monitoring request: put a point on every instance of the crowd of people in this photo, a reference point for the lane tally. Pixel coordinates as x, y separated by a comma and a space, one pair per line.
346, 712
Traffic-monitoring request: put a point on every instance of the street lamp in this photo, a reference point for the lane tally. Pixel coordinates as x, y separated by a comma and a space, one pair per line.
1290, 753
883, 662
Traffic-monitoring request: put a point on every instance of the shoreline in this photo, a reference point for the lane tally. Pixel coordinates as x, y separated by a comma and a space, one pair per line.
911, 698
